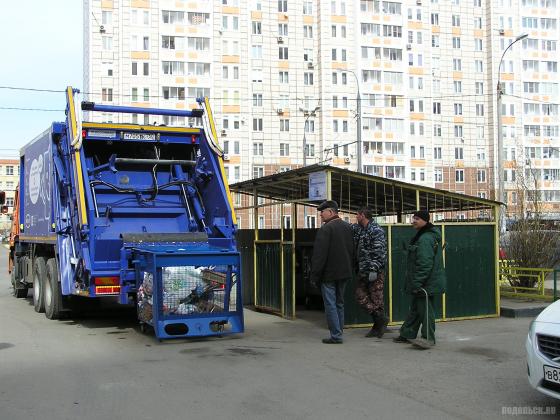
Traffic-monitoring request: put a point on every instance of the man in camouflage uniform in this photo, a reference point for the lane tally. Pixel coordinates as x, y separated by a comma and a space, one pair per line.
371, 248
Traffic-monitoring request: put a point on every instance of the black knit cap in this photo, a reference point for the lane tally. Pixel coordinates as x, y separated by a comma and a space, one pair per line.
329, 204
422, 214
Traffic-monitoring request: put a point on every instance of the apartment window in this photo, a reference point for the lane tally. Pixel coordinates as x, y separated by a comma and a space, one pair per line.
256, 28
258, 171
173, 67
437, 153
283, 53
434, 19
257, 99
479, 88
134, 94
256, 51
107, 94
457, 64
308, 78
459, 153
438, 175
437, 130
283, 6
478, 66
307, 7
284, 125
106, 17
107, 43
455, 20
479, 110
134, 68
459, 175
481, 154
309, 126
283, 29
146, 95
283, 77
435, 41
457, 86
258, 149
257, 124
458, 108
456, 42
481, 175
458, 130
176, 17
478, 44
478, 22
395, 172
333, 31
307, 31
310, 222
436, 108
10, 171
284, 149
173, 93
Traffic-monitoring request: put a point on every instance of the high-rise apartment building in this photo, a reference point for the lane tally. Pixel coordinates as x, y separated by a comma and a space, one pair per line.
283, 77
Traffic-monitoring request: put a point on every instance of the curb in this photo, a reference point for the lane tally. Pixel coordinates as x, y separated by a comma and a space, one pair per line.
528, 312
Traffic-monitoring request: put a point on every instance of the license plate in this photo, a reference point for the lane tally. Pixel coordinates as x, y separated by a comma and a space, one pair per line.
139, 136
552, 374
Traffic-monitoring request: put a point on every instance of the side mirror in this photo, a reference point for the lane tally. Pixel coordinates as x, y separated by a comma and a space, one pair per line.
2, 197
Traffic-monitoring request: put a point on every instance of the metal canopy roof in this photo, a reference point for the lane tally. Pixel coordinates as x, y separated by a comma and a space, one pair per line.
353, 190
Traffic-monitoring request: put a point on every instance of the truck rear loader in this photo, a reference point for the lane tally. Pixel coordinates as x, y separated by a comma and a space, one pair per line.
137, 213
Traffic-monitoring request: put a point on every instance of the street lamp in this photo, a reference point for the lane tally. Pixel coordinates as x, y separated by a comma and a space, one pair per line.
499, 93
307, 114
359, 120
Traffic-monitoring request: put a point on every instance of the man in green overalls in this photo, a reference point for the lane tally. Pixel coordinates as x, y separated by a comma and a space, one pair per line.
425, 279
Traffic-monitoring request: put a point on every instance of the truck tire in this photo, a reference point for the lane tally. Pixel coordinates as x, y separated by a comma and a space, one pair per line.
53, 294
39, 275
19, 290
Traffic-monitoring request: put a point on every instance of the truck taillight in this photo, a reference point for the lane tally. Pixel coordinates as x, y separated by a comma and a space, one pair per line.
106, 281
84, 134
107, 290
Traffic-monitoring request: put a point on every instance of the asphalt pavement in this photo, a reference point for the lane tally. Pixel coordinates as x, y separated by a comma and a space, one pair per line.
100, 366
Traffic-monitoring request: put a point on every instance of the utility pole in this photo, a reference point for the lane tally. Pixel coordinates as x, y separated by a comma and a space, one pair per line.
500, 151
358, 121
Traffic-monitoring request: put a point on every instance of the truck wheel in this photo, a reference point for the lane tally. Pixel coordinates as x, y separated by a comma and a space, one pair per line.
19, 290
53, 295
39, 274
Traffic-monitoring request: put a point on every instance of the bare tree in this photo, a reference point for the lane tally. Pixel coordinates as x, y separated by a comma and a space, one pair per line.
530, 242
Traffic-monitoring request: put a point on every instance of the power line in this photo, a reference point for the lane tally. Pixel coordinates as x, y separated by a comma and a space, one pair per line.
30, 109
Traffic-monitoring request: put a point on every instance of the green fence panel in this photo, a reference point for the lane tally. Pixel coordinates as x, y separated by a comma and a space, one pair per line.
470, 258
268, 276
288, 282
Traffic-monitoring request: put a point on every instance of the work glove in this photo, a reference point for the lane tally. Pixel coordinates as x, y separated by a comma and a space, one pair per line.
372, 276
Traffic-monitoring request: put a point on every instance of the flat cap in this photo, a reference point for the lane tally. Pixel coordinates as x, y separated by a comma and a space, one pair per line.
329, 204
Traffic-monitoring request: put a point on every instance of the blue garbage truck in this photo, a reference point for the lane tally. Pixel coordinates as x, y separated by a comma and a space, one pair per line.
136, 213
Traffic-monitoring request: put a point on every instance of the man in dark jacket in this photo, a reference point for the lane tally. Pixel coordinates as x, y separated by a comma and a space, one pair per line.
371, 249
425, 279
332, 265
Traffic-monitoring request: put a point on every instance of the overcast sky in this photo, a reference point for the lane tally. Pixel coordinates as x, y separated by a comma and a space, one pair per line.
41, 47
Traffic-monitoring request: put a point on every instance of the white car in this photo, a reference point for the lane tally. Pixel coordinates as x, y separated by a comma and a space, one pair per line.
543, 351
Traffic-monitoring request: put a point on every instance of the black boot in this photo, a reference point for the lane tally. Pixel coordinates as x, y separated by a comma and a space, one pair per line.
381, 325
373, 332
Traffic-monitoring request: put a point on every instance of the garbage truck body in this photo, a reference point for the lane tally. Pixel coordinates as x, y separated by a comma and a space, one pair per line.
137, 213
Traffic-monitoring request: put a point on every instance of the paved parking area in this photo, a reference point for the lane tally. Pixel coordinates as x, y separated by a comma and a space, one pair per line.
102, 366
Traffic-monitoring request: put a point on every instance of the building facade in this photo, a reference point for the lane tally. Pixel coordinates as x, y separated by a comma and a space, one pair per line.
9, 180
284, 78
